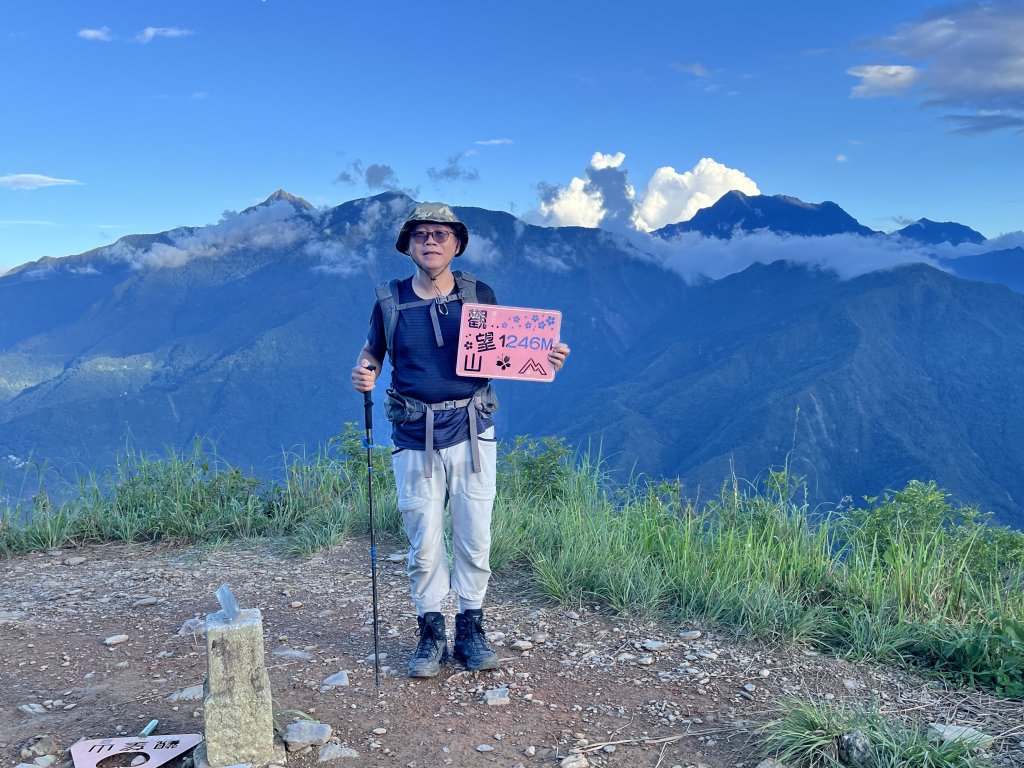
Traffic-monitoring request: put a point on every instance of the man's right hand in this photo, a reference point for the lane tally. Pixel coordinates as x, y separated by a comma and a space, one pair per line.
363, 376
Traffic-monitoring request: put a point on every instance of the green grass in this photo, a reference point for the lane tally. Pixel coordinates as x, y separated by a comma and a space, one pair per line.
905, 578
810, 735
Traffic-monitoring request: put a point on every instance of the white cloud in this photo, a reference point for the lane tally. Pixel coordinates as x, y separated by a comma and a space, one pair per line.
600, 161
883, 80
27, 223
373, 218
351, 249
32, 181
335, 259
274, 226
605, 197
101, 34
671, 196
554, 258
691, 68
695, 257
572, 206
149, 33
970, 58
493, 142
482, 251
1007, 240
841, 158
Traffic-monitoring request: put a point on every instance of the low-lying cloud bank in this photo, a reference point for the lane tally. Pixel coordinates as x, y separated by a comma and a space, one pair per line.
347, 247
273, 226
696, 257
270, 226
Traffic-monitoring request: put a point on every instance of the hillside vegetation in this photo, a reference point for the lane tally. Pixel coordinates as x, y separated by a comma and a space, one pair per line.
905, 578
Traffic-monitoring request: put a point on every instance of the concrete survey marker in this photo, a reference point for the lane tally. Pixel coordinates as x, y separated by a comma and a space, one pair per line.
157, 749
497, 342
238, 707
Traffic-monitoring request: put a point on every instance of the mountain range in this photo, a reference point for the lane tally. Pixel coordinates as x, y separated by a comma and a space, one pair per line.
243, 333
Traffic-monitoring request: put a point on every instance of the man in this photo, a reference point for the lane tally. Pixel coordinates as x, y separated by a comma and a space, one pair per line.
442, 431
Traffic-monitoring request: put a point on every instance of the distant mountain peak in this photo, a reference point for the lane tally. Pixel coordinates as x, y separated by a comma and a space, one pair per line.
298, 203
782, 214
935, 232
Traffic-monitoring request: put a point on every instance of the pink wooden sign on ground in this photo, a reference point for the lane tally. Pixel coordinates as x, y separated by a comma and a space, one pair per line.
157, 749
498, 342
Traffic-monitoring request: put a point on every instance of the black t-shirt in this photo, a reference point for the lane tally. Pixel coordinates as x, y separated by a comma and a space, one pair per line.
425, 371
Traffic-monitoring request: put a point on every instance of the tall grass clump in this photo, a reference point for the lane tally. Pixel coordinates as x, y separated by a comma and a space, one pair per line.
943, 585
195, 498
814, 735
329, 499
184, 498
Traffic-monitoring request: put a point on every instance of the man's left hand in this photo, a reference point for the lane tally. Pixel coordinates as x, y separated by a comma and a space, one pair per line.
557, 355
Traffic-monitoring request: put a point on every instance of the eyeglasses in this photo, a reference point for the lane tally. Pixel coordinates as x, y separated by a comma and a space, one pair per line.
440, 236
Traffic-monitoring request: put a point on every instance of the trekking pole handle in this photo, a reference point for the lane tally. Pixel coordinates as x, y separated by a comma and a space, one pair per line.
368, 403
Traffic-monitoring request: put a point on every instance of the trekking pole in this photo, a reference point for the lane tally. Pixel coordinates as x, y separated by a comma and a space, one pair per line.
368, 414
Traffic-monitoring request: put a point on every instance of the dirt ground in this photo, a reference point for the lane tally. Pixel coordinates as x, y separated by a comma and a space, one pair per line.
622, 691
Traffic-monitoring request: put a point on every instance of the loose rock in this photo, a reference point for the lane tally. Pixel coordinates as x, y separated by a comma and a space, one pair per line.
496, 697
963, 733
192, 693
192, 626
574, 760
854, 749
330, 752
285, 652
335, 681
306, 733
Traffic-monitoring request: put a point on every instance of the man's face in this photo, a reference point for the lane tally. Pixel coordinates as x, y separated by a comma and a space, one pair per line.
426, 250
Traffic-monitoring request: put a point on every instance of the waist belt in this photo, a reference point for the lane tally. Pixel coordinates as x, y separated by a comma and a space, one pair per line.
428, 410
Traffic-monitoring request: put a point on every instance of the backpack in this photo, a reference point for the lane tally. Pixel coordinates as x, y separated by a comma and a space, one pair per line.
387, 297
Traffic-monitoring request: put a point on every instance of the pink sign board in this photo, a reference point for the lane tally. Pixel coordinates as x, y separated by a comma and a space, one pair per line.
157, 749
498, 342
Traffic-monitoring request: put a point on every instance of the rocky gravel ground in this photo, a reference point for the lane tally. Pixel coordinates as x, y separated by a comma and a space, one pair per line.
98, 641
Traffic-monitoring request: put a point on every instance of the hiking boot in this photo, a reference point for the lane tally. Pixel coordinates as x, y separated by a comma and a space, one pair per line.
471, 646
432, 648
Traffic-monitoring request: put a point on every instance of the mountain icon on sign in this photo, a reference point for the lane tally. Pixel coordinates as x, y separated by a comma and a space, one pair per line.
532, 366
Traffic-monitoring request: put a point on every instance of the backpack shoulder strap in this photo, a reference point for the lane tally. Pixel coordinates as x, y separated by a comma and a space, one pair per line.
387, 297
466, 283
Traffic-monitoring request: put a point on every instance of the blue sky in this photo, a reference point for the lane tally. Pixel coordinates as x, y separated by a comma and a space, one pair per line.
128, 117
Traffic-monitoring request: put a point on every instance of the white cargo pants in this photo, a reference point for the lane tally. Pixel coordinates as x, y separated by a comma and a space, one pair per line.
421, 501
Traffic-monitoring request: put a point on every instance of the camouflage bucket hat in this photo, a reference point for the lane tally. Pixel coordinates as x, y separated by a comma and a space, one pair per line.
435, 213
